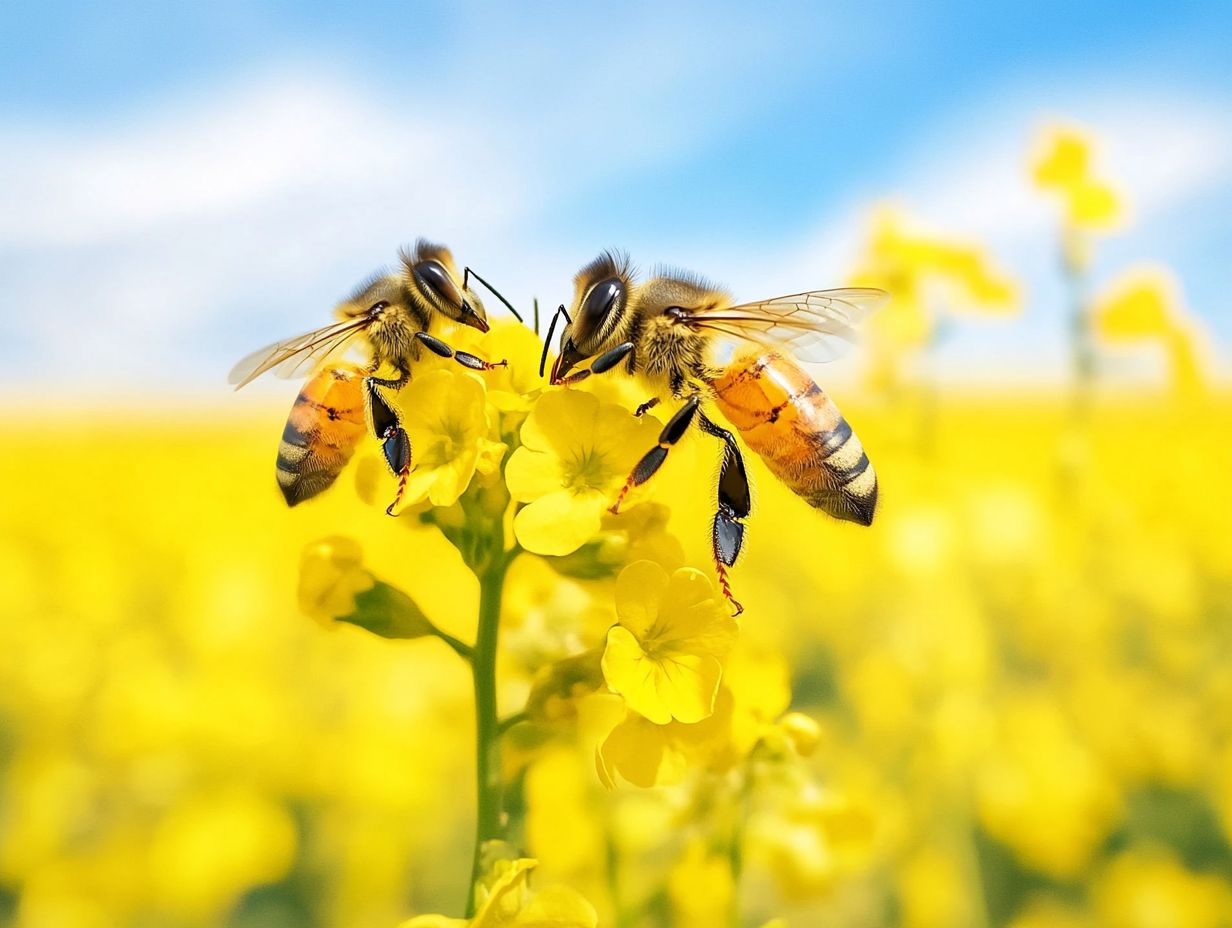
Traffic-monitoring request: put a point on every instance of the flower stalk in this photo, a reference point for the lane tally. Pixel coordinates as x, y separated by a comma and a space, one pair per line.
489, 824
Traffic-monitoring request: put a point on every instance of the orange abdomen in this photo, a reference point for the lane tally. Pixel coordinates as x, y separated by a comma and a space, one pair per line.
798, 431
325, 426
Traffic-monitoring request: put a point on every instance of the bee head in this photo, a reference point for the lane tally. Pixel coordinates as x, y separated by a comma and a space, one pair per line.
432, 277
600, 298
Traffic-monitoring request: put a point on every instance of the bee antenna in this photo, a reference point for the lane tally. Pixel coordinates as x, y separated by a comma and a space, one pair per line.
536, 302
543, 359
467, 273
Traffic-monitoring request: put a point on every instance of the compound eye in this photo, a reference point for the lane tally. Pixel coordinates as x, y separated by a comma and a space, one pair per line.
594, 314
432, 276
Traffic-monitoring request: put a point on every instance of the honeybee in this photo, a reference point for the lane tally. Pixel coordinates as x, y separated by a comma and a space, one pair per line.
393, 316
684, 338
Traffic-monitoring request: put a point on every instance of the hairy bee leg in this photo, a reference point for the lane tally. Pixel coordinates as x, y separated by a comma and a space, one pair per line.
735, 502
394, 383
466, 359
395, 443
381, 415
610, 358
676, 426
397, 448
645, 407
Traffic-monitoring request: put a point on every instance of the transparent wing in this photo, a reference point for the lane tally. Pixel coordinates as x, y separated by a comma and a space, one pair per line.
295, 357
815, 326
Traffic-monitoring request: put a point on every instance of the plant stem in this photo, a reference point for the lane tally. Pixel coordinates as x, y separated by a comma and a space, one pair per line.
488, 824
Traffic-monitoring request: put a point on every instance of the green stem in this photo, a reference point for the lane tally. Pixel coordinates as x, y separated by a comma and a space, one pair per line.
509, 721
488, 824
464, 650
1082, 352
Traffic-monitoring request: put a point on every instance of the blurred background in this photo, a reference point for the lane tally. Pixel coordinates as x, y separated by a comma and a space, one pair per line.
1022, 671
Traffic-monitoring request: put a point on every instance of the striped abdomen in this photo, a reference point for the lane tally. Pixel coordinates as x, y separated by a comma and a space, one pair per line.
322, 431
800, 434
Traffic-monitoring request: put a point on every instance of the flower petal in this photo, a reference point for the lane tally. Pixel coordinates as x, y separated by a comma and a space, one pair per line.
531, 474
560, 522
640, 589
560, 421
557, 907
633, 675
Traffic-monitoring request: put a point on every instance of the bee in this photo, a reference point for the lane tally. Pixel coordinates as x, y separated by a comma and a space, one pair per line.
393, 315
684, 338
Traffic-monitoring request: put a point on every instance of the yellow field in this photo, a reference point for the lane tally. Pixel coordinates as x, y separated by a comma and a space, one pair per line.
1022, 675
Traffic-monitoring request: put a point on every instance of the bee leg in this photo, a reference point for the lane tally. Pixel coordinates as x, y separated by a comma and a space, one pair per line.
610, 358
601, 365
466, 359
395, 383
734, 505
397, 447
381, 415
387, 428
645, 407
676, 426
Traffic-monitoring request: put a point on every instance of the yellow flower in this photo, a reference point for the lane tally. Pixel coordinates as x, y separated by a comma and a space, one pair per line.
1139, 304
665, 656
507, 902
575, 456
635, 533
1062, 165
646, 754
446, 418
331, 572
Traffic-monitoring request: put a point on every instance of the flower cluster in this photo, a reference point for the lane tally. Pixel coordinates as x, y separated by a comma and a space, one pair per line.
614, 645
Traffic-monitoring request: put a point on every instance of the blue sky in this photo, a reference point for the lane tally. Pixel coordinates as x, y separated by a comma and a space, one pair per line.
183, 182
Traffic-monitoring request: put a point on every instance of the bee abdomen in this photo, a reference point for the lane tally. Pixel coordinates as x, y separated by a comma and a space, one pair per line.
798, 431
322, 431
851, 491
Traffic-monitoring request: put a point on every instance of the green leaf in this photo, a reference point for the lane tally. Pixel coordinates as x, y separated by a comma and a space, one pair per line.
387, 612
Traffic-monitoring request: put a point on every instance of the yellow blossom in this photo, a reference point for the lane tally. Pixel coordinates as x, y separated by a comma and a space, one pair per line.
1139, 304
575, 456
508, 902
331, 572
646, 754
446, 418
665, 656
1062, 165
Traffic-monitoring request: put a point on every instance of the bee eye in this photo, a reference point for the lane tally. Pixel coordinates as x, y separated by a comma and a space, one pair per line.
431, 276
592, 317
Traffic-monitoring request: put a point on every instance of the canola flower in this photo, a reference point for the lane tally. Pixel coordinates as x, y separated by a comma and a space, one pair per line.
1063, 168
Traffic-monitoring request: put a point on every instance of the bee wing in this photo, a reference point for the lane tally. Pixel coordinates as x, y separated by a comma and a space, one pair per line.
294, 357
818, 325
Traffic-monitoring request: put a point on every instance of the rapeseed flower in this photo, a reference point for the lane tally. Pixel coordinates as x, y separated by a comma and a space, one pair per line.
576, 453
665, 656
1063, 165
446, 417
